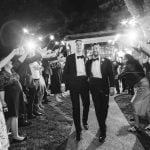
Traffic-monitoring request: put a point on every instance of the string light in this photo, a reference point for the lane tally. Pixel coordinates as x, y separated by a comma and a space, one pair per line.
25, 30
52, 37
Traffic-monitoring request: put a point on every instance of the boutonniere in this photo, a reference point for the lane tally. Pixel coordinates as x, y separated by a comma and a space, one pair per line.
102, 59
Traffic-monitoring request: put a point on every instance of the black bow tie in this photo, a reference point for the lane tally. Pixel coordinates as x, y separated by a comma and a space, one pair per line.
94, 59
80, 57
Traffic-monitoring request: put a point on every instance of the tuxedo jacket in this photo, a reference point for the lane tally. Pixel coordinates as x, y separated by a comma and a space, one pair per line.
106, 71
70, 72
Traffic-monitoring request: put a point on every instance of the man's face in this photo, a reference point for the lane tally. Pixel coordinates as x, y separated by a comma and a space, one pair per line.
79, 46
96, 50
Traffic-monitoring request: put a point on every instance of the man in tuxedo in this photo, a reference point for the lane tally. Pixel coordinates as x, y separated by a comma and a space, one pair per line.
76, 78
101, 83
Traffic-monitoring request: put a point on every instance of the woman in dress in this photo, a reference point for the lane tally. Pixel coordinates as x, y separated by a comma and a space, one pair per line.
4, 142
13, 93
56, 75
135, 76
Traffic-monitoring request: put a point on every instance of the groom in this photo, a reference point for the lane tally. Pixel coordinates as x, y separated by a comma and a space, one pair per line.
101, 83
76, 78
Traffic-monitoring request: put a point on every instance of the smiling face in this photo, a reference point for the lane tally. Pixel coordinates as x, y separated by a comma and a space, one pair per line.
96, 50
79, 46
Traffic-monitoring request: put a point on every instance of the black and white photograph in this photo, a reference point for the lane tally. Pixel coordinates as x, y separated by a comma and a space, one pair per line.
74, 74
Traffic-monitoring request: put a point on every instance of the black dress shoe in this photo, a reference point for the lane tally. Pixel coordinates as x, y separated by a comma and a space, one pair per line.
86, 126
25, 123
78, 136
31, 116
18, 141
101, 138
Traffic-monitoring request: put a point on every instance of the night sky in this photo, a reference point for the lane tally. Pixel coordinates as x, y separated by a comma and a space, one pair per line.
63, 17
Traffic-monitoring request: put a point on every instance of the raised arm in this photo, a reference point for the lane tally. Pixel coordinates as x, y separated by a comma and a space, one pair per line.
8, 58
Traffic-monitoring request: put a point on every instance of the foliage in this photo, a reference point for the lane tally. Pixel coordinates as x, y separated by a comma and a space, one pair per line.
64, 16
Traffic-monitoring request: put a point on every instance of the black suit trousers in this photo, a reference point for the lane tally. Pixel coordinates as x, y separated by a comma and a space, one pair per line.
81, 88
100, 98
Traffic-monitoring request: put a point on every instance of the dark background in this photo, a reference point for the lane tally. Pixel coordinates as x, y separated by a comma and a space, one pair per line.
63, 17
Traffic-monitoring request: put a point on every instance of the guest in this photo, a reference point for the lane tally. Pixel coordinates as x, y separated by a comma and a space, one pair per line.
146, 67
33, 89
56, 79
4, 142
10, 38
135, 75
41, 88
47, 72
12, 88
115, 70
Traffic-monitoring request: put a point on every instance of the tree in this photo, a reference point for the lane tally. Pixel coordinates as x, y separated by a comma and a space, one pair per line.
140, 9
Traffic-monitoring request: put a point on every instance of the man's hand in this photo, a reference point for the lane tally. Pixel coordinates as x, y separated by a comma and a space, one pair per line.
63, 88
5, 109
111, 91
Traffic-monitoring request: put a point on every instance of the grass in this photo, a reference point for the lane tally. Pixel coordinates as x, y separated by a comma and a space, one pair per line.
49, 132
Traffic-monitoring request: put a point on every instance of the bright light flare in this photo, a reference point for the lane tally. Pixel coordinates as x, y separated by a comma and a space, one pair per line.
62, 43
132, 22
124, 22
110, 41
128, 51
132, 35
67, 47
121, 53
52, 37
25, 30
40, 38
115, 50
31, 45
56, 43
117, 37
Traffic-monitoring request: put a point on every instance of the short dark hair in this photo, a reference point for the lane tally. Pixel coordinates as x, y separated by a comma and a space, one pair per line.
78, 40
129, 57
95, 44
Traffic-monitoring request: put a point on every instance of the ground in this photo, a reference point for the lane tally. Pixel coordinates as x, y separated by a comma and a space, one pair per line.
51, 131
123, 101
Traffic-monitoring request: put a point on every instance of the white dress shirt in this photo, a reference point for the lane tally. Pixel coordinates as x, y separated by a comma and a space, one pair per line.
80, 66
35, 70
96, 69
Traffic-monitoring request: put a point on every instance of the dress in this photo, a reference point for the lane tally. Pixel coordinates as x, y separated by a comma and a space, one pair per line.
135, 76
12, 89
4, 142
56, 78
141, 99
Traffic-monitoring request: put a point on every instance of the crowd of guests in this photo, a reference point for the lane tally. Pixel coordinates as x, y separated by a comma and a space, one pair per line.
26, 78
